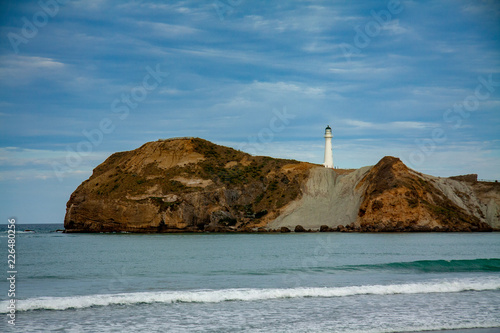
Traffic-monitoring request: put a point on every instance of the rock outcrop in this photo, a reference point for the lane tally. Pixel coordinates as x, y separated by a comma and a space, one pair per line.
396, 198
184, 185
192, 185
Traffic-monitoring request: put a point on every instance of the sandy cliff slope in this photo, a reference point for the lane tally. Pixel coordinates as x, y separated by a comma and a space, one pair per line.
327, 199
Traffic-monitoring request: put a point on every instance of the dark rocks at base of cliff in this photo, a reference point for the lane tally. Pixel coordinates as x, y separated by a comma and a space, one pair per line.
376, 228
299, 228
324, 228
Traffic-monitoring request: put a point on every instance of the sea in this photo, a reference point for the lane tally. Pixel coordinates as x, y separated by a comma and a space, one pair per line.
208, 282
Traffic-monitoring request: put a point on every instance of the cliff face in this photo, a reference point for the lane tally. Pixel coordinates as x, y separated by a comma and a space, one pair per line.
183, 185
192, 185
398, 198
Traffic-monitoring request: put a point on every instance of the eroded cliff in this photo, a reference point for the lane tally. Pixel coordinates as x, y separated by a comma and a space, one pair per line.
396, 198
192, 185
181, 185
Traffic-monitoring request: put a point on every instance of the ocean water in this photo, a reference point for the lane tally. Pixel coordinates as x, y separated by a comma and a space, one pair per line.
308, 282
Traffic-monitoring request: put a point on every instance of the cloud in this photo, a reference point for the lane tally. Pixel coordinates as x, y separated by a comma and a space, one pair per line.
172, 92
167, 30
490, 7
95, 5
24, 163
359, 123
16, 156
28, 174
285, 87
388, 126
365, 68
394, 27
181, 7
20, 70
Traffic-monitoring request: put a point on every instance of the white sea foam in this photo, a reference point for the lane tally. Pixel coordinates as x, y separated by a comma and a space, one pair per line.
223, 295
19, 232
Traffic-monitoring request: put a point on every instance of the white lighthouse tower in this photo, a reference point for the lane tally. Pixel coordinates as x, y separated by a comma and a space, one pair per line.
328, 148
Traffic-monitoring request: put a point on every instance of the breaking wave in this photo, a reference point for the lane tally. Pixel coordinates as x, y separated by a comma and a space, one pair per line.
434, 266
224, 295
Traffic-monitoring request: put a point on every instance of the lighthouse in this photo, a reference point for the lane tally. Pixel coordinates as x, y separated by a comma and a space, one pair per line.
328, 148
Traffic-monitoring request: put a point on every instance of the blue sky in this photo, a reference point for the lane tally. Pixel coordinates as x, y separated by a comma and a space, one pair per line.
419, 80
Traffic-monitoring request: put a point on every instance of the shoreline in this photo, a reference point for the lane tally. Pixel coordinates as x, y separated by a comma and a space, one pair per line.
229, 232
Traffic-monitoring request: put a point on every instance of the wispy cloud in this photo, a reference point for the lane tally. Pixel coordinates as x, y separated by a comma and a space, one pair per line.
167, 30
23, 163
390, 126
19, 69
489, 7
395, 28
278, 87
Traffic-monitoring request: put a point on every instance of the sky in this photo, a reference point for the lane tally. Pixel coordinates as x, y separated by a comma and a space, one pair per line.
82, 79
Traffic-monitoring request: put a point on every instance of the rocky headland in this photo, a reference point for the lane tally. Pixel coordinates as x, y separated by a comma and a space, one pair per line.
193, 185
